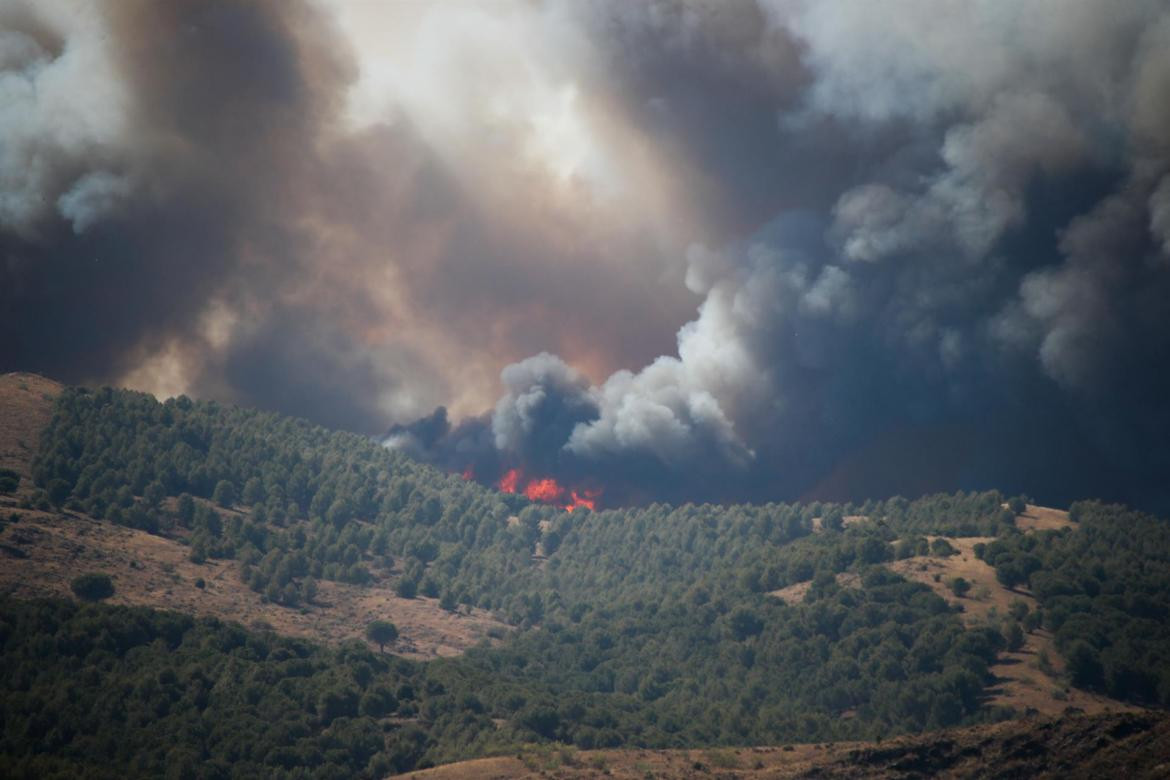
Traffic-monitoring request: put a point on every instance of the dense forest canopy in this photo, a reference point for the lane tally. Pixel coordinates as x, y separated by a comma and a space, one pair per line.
639, 627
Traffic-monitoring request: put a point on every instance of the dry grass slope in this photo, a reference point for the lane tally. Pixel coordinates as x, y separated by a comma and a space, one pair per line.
154, 571
26, 405
43, 551
1133, 745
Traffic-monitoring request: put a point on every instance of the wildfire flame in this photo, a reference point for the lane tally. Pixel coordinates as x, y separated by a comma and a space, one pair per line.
547, 490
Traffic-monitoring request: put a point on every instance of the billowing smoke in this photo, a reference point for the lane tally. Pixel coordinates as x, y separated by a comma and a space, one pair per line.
900, 248
982, 303
235, 200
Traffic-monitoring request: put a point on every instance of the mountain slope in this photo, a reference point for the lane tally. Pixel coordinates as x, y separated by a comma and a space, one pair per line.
647, 627
1077, 746
26, 407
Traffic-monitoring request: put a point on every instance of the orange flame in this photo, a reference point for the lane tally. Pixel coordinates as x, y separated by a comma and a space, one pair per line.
509, 481
547, 490
586, 498
544, 490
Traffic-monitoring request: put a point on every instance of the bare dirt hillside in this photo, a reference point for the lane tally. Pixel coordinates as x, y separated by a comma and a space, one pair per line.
1042, 518
26, 405
41, 552
1131, 745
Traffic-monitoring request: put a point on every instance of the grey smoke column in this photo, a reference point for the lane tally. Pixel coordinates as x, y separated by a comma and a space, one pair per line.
994, 272
758, 249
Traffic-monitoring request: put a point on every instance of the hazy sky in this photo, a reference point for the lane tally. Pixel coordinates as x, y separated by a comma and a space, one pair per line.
682, 249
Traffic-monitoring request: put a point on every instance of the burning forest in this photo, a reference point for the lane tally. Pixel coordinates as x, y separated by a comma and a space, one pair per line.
544, 490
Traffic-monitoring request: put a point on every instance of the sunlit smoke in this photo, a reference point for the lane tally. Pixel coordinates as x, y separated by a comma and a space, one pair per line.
749, 244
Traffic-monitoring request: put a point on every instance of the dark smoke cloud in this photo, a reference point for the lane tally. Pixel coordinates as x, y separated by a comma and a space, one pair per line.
164, 191
187, 206
544, 401
929, 245
980, 303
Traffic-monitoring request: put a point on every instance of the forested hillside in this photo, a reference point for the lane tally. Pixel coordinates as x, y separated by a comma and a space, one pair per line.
1106, 595
645, 626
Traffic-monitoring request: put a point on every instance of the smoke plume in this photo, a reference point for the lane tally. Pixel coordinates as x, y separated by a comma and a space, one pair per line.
669, 250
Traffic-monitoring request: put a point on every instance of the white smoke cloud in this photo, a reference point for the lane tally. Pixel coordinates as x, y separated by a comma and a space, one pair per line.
92, 198
1001, 96
62, 106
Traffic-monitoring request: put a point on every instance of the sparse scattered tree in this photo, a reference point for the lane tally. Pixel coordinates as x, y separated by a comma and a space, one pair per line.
253, 492
942, 548
1013, 635
58, 490
1084, 665
186, 509
1009, 574
225, 493
154, 493
380, 632
406, 588
92, 587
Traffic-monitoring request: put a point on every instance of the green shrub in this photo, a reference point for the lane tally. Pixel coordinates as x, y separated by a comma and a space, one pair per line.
9, 481
380, 632
93, 587
941, 547
406, 588
225, 493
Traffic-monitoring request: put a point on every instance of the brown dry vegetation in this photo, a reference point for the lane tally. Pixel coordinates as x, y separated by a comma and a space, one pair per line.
1135, 745
155, 571
795, 593
1025, 682
26, 405
818, 523
1042, 518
